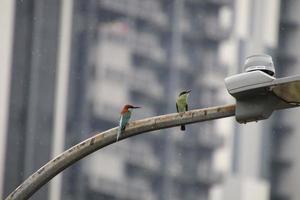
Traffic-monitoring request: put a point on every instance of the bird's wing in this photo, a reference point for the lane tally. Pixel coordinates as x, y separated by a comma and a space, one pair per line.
186, 107
125, 119
177, 107
121, 122
120, 127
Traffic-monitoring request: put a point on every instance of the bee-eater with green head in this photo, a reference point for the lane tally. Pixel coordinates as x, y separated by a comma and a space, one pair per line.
124, 118
182, 104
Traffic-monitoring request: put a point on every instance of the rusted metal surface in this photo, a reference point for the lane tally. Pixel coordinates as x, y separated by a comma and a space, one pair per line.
289, 92
100, 140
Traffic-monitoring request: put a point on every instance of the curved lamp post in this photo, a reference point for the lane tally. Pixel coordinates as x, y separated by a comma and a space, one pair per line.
100, 140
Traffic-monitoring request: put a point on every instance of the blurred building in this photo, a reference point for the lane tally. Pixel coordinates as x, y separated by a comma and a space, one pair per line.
6, 40
38, 89
285, 162
71, 74
255, 32
30, 105
145, 52
265, 163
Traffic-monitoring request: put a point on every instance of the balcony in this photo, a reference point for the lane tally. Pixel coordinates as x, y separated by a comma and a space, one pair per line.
210, 140
147, 84
279, 162
208, 30
282, 129
211, 2
121, 189
220, 2
285, 58
279, 196
140, 165
105, 111
204, 141
288, 23
141, 156
148, 46
141, 82
145, 10
214, 32
212, 72
289, 15
144, 45
207, 177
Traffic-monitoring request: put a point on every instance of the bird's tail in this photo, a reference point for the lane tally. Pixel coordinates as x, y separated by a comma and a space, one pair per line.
182, 127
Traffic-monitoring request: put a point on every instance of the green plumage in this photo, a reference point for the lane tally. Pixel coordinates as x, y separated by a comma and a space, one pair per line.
182, 105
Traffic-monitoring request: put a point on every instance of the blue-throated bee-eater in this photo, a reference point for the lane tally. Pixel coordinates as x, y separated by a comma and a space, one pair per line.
124, 118
182, 104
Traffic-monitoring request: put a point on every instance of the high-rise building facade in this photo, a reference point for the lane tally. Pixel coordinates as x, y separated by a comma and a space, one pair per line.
129, 51
255, 32
147, 51
284, 162
31, 94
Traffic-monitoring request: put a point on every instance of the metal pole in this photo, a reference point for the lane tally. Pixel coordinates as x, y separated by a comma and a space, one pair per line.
100, 140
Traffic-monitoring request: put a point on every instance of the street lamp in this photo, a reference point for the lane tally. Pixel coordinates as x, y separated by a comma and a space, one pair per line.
258, 93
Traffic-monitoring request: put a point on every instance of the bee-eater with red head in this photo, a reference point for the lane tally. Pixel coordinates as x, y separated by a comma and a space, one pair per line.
182, 104
124, 118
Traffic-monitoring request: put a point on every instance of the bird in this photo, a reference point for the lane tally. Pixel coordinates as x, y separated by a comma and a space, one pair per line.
182, 104
124, 118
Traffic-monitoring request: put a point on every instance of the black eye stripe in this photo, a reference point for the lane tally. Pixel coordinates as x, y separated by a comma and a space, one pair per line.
182, 93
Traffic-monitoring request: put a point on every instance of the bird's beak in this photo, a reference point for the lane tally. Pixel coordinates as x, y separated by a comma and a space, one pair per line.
135, 107
189, 91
